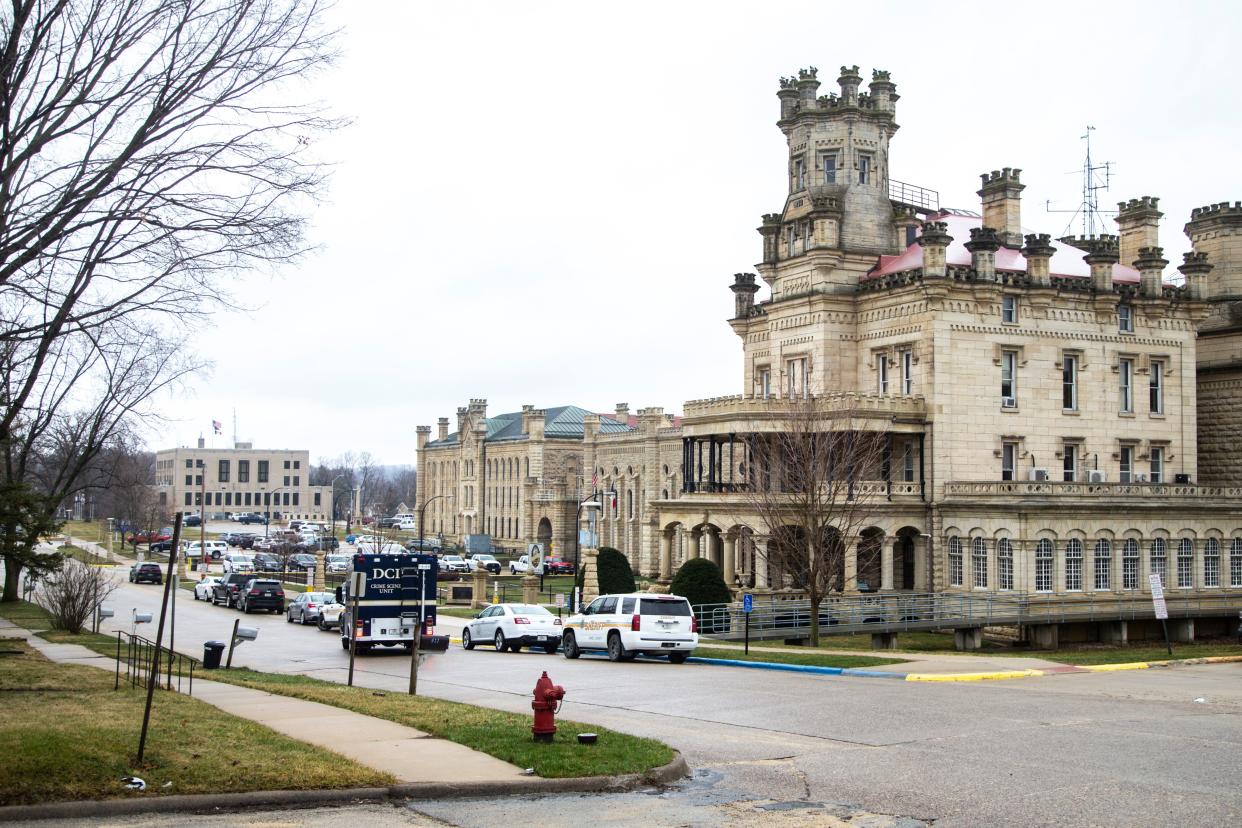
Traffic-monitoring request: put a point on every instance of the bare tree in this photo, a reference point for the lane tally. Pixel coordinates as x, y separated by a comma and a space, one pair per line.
814, 478
71, 595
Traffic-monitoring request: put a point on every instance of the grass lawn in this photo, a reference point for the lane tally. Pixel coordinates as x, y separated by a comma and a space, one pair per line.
805, 657
96, 531
66, 734
84, 555
1139, 651
503, 735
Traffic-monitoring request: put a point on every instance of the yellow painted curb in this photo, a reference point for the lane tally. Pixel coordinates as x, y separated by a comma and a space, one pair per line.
1112, 668
1007, 674
1222, 659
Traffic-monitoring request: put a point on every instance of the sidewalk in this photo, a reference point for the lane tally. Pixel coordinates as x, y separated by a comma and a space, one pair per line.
408, 754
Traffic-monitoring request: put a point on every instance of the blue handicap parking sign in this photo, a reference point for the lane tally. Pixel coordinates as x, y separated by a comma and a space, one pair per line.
748, 602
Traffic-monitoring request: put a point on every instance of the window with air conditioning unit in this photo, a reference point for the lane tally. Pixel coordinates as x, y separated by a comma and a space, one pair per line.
1009, 379
1039, 475
1097, 476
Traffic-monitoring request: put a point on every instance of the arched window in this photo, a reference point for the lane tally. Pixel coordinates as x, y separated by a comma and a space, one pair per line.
1159, 560
1073, 565
1004, 564
955, 561
1130, 564
979, 563
1235, 563
1211, 563
1103, 565
1043, 566
1185, 563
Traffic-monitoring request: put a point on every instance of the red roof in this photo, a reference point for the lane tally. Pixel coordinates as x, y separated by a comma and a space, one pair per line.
1067, 261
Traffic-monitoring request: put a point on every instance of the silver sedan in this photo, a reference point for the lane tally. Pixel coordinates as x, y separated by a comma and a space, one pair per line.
307, 608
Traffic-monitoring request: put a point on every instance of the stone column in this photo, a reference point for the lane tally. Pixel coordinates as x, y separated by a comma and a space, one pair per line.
730, 559
851, 565
478, 595
761, 564
887, 551
696, 544
590, 575
666, 557
319, 578
530, 589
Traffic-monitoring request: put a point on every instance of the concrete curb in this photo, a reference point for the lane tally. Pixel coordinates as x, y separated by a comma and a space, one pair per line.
203, 803
797, 668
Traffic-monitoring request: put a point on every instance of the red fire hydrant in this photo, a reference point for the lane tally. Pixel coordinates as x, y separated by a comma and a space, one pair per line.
547, 702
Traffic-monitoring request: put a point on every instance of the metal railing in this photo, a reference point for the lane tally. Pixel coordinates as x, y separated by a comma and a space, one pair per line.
780, 617
135, 656
913, 195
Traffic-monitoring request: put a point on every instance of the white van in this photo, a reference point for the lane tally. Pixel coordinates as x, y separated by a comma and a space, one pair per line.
215, 549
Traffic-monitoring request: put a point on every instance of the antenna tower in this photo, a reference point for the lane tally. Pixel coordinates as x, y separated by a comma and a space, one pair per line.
1095, 178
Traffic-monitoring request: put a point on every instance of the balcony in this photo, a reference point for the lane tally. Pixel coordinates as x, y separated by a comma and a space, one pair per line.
756, 414
972, 490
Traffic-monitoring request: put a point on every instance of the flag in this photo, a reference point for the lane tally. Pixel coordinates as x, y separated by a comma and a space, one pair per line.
594, 480
217, 427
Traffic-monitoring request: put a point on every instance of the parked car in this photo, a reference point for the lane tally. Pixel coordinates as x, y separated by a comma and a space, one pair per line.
406, 524
216, 549
149, 536
224, 593
267, 562
165, 546
454, 563
386, 523
512, 627
626, 625
237, 562
192, 520
484, 561
148, 572
242, 540
300, 560
338, 563
204, 588
307, 607
261, 594
558, 566
251, 517
523, 566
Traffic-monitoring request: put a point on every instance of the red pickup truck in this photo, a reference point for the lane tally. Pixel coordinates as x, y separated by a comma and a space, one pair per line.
148, 537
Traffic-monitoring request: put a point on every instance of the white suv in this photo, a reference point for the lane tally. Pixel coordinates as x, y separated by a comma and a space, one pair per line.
626, 625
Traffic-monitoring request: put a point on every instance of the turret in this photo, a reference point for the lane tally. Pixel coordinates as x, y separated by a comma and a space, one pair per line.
1196, 267
1002, 205
1038, 253
1216, 230
849, 83
883, 91
808, 86
935, 241
983, 245
1150, 265
744, 290
1138, 223
1103, 254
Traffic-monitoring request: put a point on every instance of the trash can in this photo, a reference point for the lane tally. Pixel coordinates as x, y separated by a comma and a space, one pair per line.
212, 651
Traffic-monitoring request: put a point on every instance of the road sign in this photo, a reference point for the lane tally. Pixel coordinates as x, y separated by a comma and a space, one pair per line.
535, 551
748, 602
560, 600
1157, 596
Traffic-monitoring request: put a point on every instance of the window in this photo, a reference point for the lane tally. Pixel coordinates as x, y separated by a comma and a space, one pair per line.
286, 464
1185, 563
1211, 563
228, 498
907, 472
979, 563
1130, 564
219, 498
189, 464
297, 464
795, 377
907, 372
1125, 319
799, 174
286, 483
828, 162
789, 240
1043, 566
912, 234
1073, 565
1235, 562
1126, 474
864, 169
243, 471
1125, 370
1004, 563
1158, 558
1103, 565
1069, 382
881, 373
297, 480
1157, 464
187, 499
1009, 379
1009, 460
1069, 462
222, 472
955, 562
1155, 388
247, 503
262, 471
286, 498
198, 480
1009, 309
295, 498
765, 382
189, 480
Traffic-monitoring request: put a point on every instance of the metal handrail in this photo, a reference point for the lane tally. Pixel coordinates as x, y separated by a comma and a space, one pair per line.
136, 655
913, 195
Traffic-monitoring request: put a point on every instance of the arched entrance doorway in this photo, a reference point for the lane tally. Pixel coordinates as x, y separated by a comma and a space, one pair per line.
545, 536
870, 567
903, 558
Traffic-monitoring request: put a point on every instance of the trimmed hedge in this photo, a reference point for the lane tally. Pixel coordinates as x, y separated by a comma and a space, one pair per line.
699, 581
615, 575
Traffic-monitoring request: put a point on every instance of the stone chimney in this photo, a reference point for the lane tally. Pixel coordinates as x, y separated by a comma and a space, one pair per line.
538, 418
651, 419
983, 245
424, 434
623, 413
461, 418
935, 241
849, 82
744, 290
808, 87
1038, 253
590, 426
1196, 267
1103, 254
442, 427
1002, 205
526, 418
883, 91
1150, 265
788, 93
1138, 222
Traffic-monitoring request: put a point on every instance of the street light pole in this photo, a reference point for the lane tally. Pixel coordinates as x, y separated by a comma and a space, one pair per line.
421, 511
589, 503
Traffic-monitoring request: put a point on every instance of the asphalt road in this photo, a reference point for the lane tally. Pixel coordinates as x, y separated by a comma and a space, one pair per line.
1162, 747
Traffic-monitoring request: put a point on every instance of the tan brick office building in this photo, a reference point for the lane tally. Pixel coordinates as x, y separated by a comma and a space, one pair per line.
1061, 419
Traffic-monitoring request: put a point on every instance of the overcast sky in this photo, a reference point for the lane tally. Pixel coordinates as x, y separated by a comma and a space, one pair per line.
545, 203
